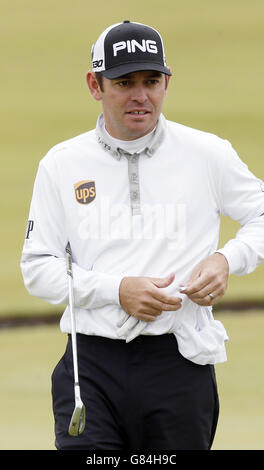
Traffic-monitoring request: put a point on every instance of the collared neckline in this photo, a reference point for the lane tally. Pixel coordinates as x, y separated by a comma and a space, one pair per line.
117, 152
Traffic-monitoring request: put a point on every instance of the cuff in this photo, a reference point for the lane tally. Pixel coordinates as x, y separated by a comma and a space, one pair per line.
112, 284
233, 252
95, 289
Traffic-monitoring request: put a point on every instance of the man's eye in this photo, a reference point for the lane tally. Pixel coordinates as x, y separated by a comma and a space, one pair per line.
123, 83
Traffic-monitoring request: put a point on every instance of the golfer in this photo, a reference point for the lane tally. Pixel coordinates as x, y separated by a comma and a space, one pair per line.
139, 198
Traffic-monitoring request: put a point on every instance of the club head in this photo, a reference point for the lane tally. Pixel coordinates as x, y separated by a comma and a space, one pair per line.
77, 423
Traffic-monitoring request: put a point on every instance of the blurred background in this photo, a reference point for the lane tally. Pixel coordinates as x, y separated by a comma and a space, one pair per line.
215, 50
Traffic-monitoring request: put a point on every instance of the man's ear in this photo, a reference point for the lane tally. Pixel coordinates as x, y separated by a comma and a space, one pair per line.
168, 77
93, 86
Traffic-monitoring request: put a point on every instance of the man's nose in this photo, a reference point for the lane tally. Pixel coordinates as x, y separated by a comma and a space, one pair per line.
139, 93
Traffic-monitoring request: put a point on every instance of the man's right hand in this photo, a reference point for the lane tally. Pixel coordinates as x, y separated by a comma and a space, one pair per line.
143, 297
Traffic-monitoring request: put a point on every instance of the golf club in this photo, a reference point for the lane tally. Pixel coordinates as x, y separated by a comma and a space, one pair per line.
77, 423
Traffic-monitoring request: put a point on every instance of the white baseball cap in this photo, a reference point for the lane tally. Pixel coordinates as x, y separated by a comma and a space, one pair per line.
128, 47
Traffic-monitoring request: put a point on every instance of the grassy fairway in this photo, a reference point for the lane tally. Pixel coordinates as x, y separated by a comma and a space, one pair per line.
241, 384
31, 354
214, 49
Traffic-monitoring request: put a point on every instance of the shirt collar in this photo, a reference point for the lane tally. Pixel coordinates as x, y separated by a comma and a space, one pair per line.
117, 152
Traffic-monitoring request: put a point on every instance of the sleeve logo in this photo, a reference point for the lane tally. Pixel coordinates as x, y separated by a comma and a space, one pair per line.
30, 226
85, 192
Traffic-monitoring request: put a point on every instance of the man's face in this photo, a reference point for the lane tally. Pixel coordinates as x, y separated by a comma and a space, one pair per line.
132, 103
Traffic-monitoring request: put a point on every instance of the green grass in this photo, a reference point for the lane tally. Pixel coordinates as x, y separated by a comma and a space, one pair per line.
241, 384
30, 355
214, 49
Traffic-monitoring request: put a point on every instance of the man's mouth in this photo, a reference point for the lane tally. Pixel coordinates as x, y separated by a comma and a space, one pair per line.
138, 113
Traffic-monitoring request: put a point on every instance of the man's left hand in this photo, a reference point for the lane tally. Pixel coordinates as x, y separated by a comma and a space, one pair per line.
208, 281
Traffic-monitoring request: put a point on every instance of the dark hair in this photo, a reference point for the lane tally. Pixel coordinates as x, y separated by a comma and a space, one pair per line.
99, 77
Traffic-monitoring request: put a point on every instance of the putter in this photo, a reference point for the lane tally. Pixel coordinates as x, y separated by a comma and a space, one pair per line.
77, 423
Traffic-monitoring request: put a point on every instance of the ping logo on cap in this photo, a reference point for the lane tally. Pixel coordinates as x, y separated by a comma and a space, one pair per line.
85, 191
128, 47
131, 46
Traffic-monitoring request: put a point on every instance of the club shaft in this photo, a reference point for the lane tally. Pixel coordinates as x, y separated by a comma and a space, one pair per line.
72, 314
73, 335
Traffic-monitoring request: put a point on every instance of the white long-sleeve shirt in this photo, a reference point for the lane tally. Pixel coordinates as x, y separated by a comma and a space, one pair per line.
151, 213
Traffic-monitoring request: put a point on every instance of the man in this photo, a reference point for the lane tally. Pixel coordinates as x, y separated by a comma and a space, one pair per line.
139, 199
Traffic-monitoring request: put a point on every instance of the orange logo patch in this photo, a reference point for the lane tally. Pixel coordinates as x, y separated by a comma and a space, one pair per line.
85, 191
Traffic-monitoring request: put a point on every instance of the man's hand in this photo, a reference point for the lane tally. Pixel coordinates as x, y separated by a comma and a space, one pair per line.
208, 281
143, 297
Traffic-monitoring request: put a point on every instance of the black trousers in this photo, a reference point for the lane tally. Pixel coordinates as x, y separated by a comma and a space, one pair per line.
142, 395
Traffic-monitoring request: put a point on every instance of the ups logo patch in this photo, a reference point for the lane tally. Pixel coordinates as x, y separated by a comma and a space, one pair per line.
85, 191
